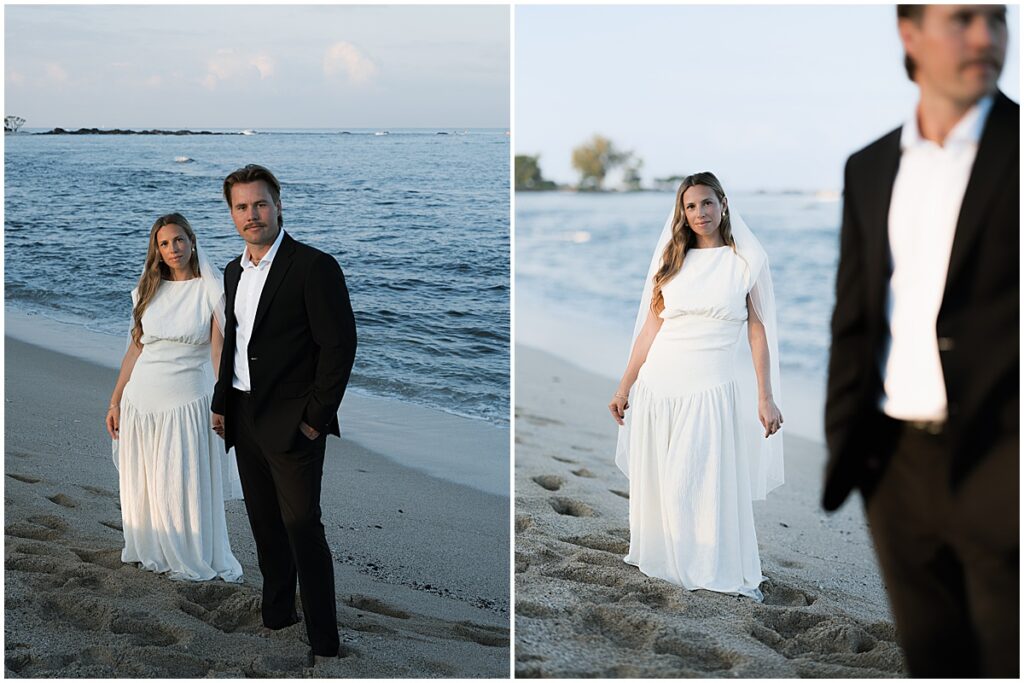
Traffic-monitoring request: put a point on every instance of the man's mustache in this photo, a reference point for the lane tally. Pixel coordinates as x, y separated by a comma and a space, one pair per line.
992, 61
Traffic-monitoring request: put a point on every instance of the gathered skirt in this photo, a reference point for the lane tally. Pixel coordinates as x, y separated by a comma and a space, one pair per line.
172, 490
690, 505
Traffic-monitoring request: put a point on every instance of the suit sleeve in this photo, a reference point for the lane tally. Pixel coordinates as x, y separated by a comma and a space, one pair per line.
849, 326
333, 328
218, 403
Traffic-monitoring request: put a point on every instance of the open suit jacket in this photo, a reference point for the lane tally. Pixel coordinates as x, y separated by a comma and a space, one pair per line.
978, 325
301, 350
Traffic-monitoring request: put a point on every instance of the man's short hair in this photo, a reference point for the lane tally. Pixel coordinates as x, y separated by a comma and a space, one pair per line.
250, 173
914, 13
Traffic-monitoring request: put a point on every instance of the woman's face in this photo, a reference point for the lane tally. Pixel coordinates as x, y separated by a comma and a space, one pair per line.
175, 247
702, 209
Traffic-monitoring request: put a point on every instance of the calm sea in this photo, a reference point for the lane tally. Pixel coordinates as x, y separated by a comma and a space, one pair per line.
584, 257
419, 222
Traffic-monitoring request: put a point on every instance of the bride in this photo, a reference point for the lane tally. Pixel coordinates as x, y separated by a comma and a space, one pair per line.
170, 462
693, 453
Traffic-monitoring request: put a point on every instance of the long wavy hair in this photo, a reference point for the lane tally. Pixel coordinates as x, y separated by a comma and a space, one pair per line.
684, 238
156, 270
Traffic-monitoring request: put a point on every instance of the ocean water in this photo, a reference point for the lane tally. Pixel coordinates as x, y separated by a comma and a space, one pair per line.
418, 221
583, 257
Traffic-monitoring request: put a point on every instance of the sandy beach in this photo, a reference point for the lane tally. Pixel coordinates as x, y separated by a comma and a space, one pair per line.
582, 612
421, 562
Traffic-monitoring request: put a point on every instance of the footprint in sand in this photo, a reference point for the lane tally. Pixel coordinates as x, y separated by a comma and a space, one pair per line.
550, 482
776, 593
582, 448
63, 501
83, 611
533, 610
481, 634
368, 604
523, 522
144, 629
697, 651
539, 421
16, 660
600, 559
622, 625
373, 628
109, 558
175, 664
835, 640
568, 460
572, 508
116, 526
31, 564
28, 479
607, 544
586, 574
226, 607
585, 473
620, 494
99, 491
37, 528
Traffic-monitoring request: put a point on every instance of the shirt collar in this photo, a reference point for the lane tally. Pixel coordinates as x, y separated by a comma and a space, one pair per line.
967, 130
268, 258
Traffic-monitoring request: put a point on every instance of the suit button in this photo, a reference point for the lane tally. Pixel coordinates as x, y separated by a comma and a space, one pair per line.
253, 358
946, 344
953, 408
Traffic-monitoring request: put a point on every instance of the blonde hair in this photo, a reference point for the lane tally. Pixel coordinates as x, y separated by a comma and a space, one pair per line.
156, 270
683, 237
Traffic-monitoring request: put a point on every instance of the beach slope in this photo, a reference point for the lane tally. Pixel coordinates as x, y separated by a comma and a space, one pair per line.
421, 564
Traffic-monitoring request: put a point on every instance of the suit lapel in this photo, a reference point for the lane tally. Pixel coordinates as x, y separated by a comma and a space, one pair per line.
278, 269
879, 255
994, 153
232, 274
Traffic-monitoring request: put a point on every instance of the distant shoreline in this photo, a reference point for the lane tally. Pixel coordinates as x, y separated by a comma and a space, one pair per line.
123, 131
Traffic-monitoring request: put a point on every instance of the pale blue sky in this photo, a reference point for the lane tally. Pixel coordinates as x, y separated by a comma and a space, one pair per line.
771, 97
257, 66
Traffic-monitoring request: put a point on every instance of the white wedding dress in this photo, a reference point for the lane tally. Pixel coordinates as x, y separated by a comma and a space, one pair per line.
172, 466
690, 491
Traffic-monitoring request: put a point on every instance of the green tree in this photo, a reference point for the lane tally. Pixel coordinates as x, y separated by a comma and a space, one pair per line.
528, 174
594, 159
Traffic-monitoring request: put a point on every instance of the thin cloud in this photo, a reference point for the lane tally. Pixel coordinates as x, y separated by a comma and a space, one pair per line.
345, 59
228, 63
55, 72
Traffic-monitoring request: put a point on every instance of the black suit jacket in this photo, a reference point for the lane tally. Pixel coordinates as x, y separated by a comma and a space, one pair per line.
301, 350
978, 323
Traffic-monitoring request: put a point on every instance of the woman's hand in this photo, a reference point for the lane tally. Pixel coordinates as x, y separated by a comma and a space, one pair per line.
618, 406
114, 421
769, 415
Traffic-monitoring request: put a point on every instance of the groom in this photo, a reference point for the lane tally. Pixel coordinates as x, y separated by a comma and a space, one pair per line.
923, 400
289, 345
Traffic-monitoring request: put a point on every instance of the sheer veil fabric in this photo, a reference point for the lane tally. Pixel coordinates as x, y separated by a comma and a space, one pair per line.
766, 463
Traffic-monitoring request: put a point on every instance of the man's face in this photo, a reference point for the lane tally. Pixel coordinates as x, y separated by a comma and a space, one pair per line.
958, 49
255, 213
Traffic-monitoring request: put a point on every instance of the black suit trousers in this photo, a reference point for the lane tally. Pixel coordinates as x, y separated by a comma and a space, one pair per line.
282, 499
949, 556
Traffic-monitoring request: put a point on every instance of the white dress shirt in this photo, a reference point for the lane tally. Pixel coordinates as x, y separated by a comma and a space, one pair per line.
247, 299
926, 199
